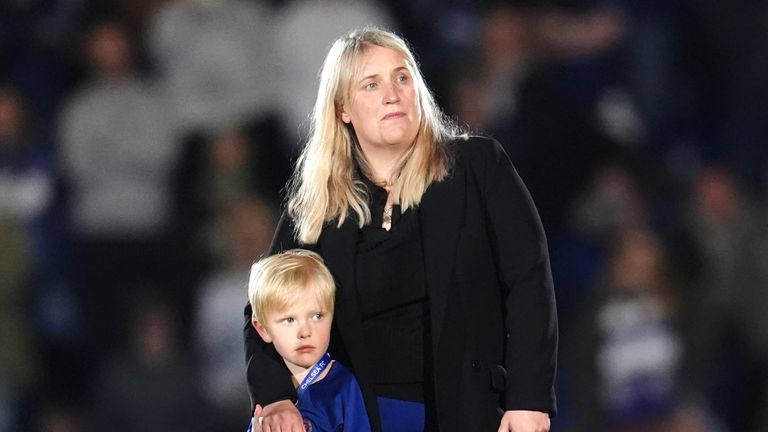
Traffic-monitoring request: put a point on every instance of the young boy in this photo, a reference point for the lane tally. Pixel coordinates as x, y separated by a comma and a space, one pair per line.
292, 297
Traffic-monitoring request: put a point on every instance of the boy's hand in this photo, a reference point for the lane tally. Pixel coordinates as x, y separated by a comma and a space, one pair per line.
280, 416
524, 421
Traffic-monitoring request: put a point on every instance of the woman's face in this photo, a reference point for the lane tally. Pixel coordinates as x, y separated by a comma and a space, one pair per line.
383, 105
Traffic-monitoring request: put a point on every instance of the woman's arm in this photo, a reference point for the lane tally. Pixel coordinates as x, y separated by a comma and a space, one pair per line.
522, 260
268, 378
269, 381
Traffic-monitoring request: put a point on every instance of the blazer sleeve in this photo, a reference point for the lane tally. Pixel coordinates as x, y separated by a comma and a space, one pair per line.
522, 261
268, 378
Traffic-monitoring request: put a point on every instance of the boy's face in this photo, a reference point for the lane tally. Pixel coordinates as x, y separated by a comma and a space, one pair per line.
300, 333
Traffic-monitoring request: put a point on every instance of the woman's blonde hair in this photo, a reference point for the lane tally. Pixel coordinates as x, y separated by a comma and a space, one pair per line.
325, 186
277, 281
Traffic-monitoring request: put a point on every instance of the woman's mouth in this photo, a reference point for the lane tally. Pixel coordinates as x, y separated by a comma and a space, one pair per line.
394, 115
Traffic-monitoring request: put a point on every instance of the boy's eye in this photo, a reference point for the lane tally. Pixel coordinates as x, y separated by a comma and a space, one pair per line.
318, 316
289, 320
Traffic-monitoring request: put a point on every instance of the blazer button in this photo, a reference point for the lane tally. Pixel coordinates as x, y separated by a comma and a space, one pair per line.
475, 366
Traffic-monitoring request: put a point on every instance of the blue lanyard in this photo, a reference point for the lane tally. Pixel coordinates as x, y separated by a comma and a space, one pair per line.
315, 372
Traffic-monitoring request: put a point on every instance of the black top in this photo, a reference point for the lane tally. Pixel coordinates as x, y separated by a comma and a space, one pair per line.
393, 299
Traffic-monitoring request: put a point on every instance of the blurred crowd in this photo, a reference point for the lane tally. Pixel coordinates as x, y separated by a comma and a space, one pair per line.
144, 145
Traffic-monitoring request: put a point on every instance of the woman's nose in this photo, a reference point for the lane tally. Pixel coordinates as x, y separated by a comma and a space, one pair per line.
391, 95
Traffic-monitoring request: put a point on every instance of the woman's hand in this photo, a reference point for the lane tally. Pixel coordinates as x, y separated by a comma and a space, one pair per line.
524, 421
281, 416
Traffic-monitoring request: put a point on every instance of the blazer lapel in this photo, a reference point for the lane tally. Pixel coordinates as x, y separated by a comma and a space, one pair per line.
442, 214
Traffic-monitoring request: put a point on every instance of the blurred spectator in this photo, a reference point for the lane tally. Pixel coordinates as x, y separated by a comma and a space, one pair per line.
215, 169
230, 174
27, 177
30, 202
19, 361
241, 234
304, 30
152, 387
36, 50
30, 195
543, 103
58, 417
31, 265
240, 162
630, 344
722, 69
484, 92
723, 221
731, 340
117, 153
614, 201
650, 65
215, 59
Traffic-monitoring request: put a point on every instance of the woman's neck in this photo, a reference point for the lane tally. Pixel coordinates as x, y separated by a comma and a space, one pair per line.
382, 163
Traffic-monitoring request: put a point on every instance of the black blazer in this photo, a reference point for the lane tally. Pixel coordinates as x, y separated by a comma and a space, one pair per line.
494, 324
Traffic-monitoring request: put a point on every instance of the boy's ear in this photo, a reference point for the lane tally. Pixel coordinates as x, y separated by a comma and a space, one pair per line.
262, 331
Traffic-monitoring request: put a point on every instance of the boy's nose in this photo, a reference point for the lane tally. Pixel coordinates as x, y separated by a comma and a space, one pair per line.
304, 332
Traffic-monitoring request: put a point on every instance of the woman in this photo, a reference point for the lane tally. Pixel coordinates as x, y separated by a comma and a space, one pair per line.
445, 305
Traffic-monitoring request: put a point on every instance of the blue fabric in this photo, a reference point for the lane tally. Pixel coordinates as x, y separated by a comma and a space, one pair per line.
401, 416
335, 403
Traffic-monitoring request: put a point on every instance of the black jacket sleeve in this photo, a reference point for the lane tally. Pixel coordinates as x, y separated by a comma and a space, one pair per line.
522, 261
268, 378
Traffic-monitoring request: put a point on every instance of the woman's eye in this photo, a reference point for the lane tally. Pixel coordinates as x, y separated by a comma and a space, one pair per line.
402, 78
370, 86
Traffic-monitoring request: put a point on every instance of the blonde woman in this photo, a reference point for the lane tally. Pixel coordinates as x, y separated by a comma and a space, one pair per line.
445, 309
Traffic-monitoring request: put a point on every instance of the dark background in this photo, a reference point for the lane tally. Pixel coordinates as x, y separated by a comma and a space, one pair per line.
144, 145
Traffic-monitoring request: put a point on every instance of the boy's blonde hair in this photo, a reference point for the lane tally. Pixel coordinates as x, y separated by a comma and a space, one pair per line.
279, 280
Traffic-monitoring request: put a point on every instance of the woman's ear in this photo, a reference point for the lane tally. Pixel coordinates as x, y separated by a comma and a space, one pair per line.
262, 331
342, 114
